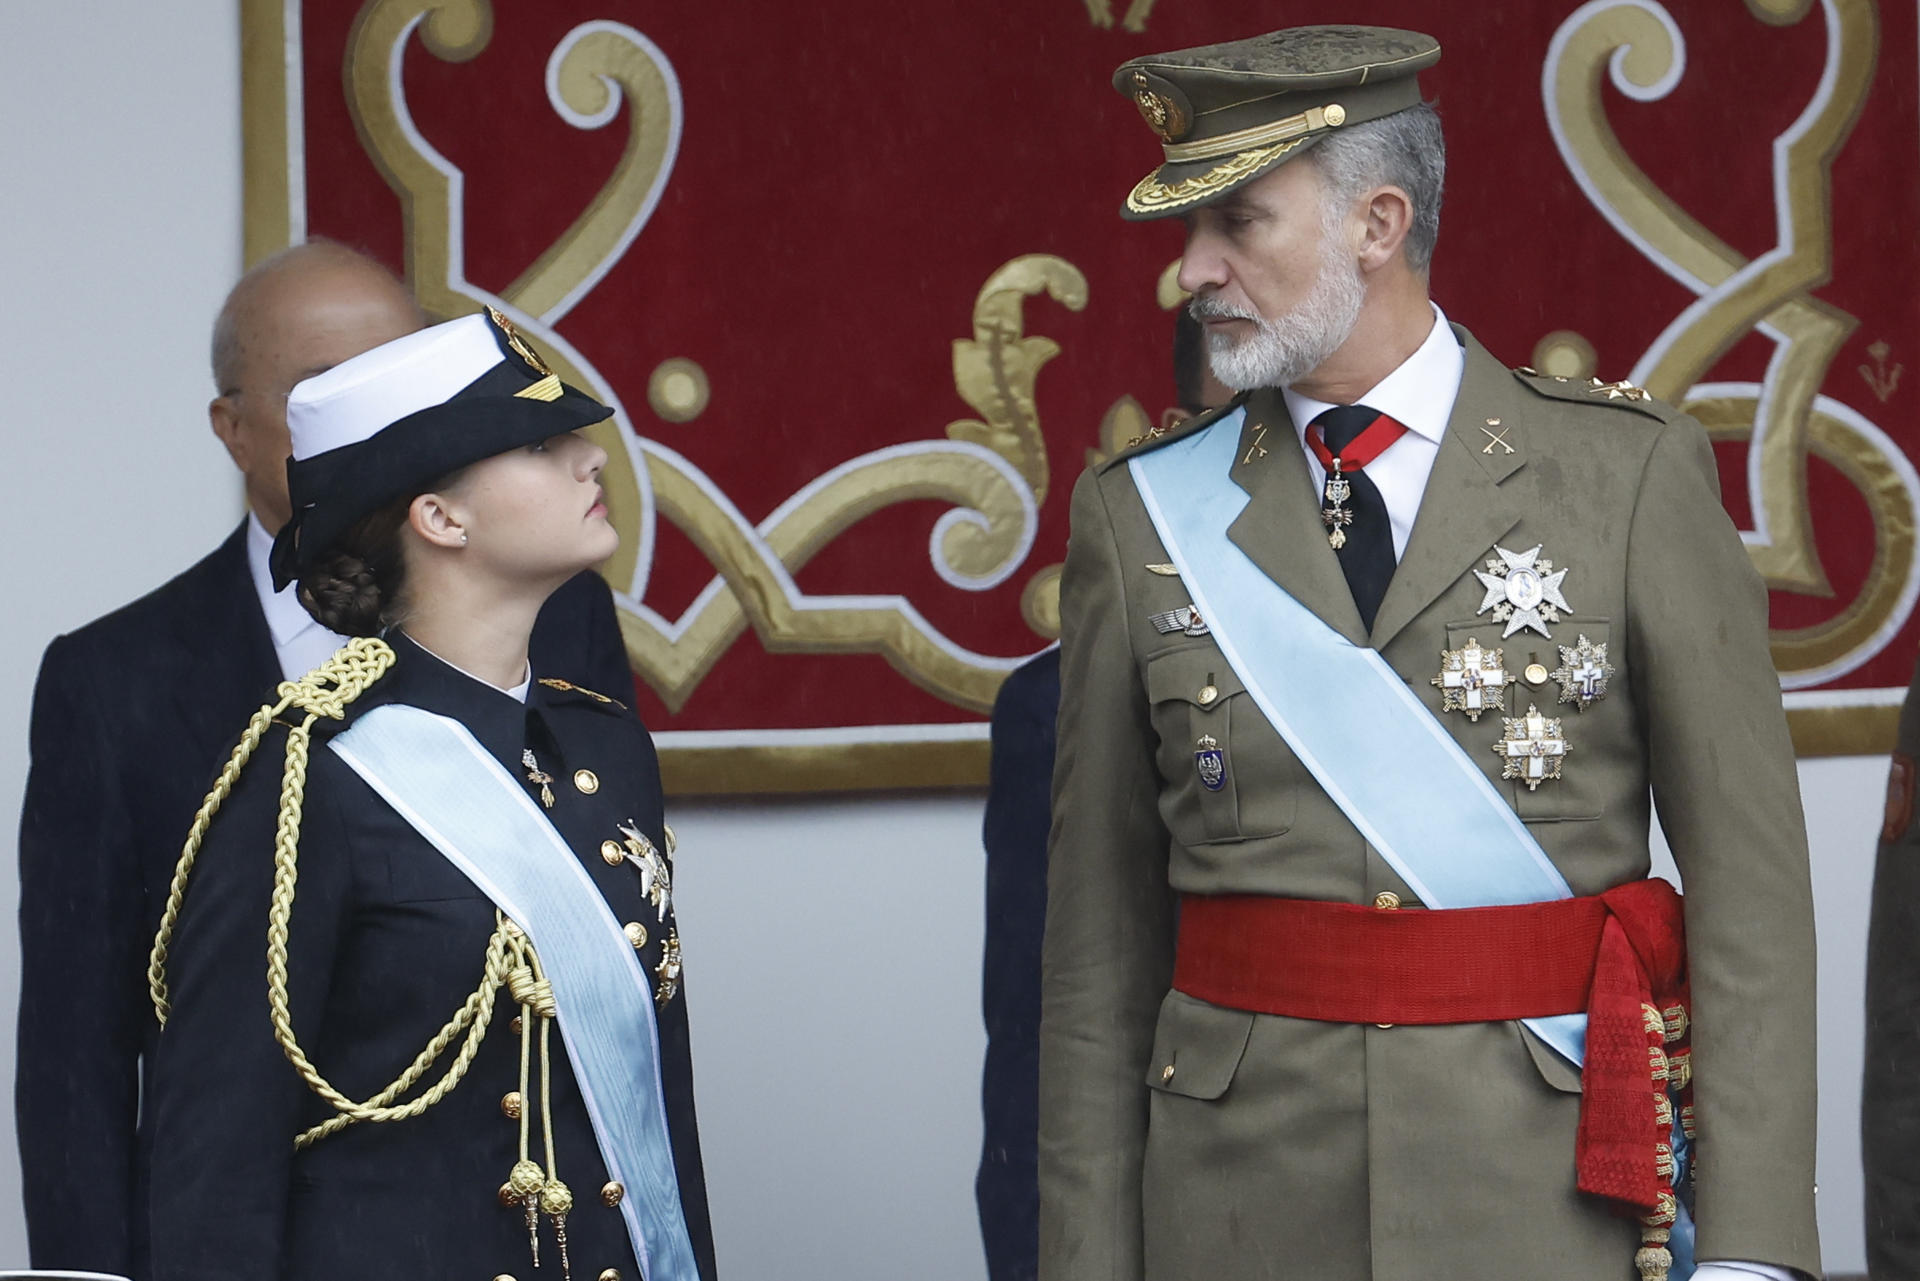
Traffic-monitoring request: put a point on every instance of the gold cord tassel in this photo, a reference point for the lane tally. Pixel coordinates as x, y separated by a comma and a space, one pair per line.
537, 1191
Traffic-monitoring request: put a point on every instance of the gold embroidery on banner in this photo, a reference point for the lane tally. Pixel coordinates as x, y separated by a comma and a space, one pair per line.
1564, 354
1783, 423
584, 79
1882, 381
997, 371
1896, 540
1100, 13
674, 664
1167, 291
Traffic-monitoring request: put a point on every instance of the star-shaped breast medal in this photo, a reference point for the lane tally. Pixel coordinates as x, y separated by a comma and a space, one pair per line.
1522, 591
1472, 680
1533, 749
1583, 673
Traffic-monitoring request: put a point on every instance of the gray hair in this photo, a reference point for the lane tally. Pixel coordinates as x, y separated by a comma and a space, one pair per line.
1404, 150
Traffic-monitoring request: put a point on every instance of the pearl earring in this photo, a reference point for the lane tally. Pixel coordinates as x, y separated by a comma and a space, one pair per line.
463, 538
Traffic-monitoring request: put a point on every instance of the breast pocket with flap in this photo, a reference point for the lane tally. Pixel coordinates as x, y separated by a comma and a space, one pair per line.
1218, 753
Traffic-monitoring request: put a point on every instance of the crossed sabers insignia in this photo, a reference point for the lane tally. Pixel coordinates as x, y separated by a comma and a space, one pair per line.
1499, 438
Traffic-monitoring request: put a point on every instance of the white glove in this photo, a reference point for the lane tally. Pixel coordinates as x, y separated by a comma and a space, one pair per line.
1720, 1270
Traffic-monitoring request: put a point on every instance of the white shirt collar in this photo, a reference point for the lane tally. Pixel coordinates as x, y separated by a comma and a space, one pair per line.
1408, 395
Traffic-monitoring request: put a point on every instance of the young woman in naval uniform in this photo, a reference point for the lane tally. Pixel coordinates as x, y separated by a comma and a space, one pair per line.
420, 984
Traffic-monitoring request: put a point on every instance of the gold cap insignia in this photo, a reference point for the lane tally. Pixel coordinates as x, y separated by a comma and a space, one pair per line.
1165, 115
514, 340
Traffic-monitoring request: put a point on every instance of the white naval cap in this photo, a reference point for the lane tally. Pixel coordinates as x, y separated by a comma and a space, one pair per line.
356, 398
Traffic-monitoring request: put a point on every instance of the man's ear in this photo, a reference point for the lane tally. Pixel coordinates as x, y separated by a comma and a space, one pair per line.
437, 521
224, 417
1388, 217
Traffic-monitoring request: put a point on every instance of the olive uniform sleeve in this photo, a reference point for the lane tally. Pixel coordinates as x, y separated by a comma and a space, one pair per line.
1107, 958
1726, 790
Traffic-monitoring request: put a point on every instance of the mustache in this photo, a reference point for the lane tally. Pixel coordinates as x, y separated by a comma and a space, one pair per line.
1205, 307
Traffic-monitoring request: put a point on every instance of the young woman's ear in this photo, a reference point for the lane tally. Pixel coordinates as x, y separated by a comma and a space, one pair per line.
435, 519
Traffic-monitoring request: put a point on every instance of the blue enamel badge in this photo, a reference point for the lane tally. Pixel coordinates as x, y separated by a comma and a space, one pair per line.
1211, 762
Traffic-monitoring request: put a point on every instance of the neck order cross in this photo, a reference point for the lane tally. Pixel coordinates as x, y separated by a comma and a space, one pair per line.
1355, 453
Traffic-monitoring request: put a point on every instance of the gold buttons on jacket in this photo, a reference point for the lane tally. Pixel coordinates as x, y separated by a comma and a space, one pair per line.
611, 854
636, 933
503, 1277
515, 1026
586, 781
611, 1274
612, 1195
510, 1105
1536, 674
1166, 1074
1206, 695
1386, 901
508, 1197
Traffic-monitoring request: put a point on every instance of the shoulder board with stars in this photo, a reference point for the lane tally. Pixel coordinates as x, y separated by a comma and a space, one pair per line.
1159, 436
568, 687
1594, 391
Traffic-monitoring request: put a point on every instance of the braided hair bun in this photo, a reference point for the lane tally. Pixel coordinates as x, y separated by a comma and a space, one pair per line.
354, 588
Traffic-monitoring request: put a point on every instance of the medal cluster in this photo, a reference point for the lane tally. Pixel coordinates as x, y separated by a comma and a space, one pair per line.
1523, 593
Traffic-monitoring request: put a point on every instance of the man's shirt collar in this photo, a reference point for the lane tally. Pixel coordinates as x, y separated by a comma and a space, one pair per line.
1418, 395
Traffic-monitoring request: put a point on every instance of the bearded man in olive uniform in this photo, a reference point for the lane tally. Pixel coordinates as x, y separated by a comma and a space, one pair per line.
1370, 681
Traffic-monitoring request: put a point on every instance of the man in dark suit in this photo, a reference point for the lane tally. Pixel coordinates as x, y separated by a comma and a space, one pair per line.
1015, 834
134, 712
1890, 1094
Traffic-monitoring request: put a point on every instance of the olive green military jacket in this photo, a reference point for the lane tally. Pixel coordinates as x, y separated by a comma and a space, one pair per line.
1180, 1140
1890, 1091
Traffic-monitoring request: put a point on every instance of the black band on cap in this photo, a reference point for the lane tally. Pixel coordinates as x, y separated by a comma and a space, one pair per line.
332, 491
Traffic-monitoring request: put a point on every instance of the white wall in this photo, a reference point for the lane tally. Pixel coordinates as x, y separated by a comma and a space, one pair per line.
833, 946
119, 234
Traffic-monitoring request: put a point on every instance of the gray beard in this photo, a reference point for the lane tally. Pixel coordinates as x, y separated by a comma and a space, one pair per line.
1281, 352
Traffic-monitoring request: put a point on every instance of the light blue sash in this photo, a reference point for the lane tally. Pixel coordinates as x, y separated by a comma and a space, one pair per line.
440, 779
1386, 761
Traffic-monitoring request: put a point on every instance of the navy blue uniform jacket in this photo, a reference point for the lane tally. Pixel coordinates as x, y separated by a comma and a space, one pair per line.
387, 940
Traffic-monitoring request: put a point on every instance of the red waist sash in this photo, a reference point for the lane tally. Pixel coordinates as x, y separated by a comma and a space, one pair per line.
1619, 957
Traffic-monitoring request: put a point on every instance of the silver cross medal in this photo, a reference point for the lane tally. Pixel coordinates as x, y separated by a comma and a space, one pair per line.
1533, 749
1583, 673
1522, 591
654, 880
1472, 680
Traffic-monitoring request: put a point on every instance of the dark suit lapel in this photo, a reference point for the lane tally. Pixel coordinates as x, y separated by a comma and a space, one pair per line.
1464, 511
225, 654
1280, 530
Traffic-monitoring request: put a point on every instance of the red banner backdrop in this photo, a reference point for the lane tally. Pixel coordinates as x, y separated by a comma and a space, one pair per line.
853, 276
